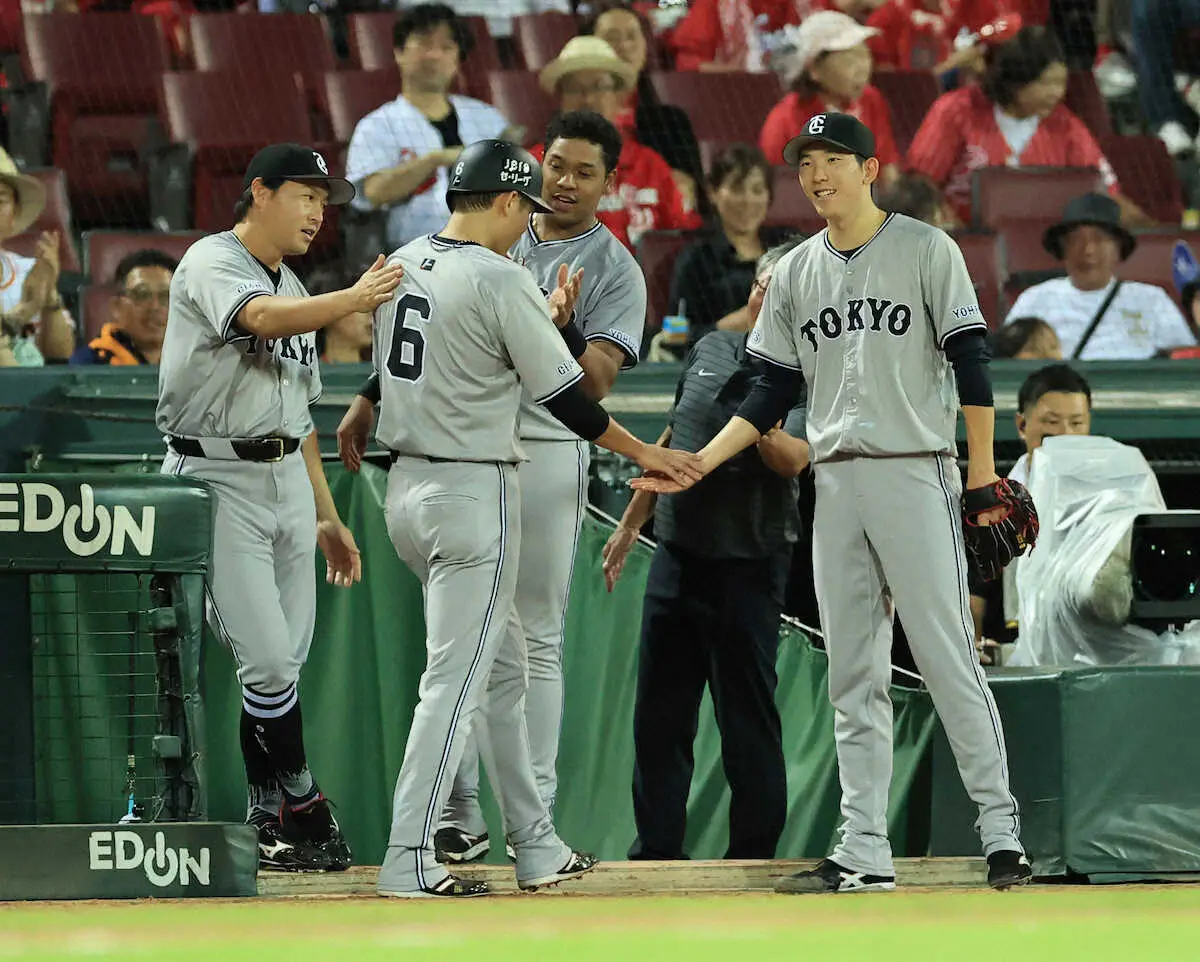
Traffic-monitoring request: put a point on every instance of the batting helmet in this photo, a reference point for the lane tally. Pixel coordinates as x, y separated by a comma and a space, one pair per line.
494, 166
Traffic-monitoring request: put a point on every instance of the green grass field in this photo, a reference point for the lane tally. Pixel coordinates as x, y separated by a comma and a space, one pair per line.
1059, 923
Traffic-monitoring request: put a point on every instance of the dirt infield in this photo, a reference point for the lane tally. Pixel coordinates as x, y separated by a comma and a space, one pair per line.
1041, 922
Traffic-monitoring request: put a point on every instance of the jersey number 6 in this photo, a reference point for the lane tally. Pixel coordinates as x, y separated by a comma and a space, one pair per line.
406, 359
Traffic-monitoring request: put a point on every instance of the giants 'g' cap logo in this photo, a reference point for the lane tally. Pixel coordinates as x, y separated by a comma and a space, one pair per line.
321, 165
816, 125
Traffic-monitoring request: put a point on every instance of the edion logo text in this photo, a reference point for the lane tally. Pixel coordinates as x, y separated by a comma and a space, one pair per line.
87, 527
125, 851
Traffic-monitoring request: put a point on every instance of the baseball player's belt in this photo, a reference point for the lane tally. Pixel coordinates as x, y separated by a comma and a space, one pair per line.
244, 449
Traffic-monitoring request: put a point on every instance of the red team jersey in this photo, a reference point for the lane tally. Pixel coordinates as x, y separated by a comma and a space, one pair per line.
788, 117
644, 196
711, 30
912, 37
959, 136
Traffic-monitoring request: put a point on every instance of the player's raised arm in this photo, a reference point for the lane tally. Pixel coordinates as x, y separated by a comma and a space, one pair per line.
272, 316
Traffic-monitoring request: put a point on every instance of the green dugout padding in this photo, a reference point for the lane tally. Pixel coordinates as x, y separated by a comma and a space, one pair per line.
359, 690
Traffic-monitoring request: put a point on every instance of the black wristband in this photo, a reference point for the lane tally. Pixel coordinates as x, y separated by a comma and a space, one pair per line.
575, 341
370, 389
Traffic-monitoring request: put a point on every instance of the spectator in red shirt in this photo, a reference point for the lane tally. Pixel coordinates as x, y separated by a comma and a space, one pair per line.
828, 73
722, 35
1014, 118
661, 127
922, 34
588, 75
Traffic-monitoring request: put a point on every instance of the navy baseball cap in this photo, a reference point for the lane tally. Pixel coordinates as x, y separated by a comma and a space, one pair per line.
839, 132
299, 163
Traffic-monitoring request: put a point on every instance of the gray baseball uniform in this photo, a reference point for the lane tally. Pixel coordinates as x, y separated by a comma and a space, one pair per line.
469, 329
867, 331
612, 308
216, 384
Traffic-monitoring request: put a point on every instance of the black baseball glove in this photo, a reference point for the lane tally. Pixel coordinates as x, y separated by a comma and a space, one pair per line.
991, 547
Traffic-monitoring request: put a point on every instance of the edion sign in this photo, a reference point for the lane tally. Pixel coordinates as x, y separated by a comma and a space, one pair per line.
35, 507
118, 851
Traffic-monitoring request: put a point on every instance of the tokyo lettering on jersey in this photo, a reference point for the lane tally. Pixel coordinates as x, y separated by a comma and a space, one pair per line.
611, 305
867, 331
216, 380
467, 330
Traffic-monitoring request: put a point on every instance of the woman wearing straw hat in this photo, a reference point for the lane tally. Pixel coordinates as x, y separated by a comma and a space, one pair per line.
34, 327
588, 75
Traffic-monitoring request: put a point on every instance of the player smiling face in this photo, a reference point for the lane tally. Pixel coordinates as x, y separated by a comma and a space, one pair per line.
573, 180
838, 184
292, 215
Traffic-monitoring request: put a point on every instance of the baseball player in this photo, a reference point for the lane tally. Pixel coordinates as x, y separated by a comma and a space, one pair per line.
877, 316
237, 374
582, 149
454, 355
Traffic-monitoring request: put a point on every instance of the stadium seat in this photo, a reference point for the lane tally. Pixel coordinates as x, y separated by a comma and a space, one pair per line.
909, 94
371, 49
101, 114
517, 95
541, 36
1027, 193
55, 216
262, 48
725, 107
352, 94
656, 252
93, 310
103, 250
1151, 260
11, 27
1023, 260
982, 253
222, 141
1146, 174
1084, 100
789, 207
371, 40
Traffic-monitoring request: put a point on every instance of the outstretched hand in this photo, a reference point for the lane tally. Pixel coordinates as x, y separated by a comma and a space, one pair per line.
376, 285
562, 299
667, 471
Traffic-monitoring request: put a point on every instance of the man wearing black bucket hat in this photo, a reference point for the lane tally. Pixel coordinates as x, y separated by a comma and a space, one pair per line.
236, 377
1096, 315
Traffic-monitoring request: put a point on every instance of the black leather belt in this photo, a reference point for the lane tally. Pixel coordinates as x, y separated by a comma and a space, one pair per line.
394, 456
247, 449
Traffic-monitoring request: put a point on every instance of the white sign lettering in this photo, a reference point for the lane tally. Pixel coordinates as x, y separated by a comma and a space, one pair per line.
87, 528
125, 851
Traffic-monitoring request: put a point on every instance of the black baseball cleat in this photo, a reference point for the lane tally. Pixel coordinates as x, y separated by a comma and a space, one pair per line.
316, 827
1008, 868
277, 853
580, 863
454, 846
830, 877
451, 887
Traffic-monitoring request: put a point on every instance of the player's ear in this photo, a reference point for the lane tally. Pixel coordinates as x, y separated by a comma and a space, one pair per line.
1021, 423
870, 170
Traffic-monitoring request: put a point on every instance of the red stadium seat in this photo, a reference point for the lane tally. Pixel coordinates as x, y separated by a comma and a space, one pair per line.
352, 94
1151, 260
55, 216
1027, 193
11, 26
1023, 259
1146, 174
982, 254
370, 37
517, 95
263, 48
790, 207
746, 97
541, 36
94, 300
1084, 100
103, 250
222, 142
657, 251
103, 73
909, 94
